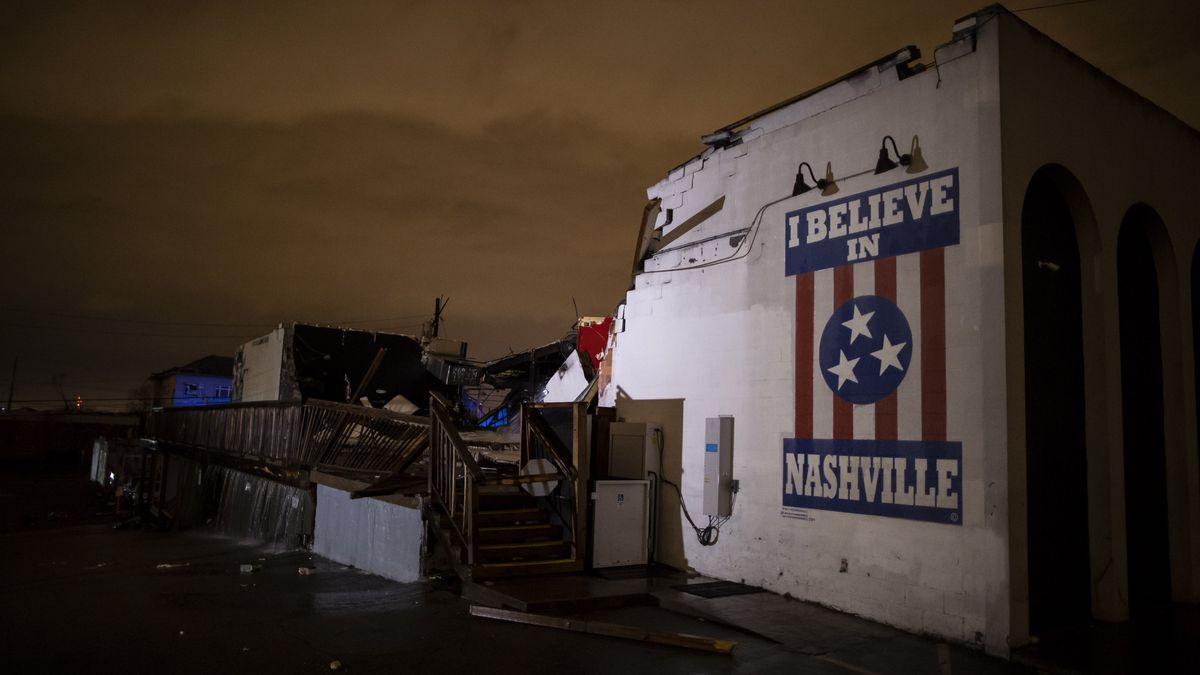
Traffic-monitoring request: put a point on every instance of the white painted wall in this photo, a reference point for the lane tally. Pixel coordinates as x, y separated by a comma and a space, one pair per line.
722, 338
370, 534
262, 360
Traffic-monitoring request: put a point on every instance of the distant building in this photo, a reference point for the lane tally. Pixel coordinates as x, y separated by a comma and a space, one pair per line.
961, 366
206, 381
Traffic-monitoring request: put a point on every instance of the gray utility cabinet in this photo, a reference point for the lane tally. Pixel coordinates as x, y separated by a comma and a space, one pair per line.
621, 523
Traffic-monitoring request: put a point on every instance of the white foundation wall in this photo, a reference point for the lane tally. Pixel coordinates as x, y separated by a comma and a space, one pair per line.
722, 338
370, 534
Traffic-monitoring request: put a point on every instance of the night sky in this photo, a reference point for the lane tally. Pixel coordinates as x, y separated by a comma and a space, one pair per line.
176, 178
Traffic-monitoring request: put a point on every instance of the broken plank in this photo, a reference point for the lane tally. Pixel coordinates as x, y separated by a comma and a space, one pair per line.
608, 629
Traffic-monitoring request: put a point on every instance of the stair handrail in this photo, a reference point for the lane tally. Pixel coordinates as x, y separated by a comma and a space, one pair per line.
537, 428
558, 451
447, 453
438, 409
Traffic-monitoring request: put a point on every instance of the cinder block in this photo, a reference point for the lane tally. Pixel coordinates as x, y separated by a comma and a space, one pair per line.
959, 604
923, 596
901, 615
881, 589
683, 184
729, 165
945, 625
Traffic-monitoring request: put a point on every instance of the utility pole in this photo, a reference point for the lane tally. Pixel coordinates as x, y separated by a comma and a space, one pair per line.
12, 383
438, 308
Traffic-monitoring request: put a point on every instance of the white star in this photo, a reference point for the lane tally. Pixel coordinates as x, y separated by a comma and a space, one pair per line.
858, 325
889, 355
844, 369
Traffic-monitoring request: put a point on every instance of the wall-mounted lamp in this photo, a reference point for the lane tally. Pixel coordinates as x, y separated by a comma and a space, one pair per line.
916, 163
827, 185
913, 160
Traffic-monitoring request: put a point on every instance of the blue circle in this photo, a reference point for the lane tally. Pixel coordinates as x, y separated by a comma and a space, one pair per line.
865, 349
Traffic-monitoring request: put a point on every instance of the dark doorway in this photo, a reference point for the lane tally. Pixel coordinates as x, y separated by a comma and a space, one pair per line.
1056, 452
1196, 332
1142, 416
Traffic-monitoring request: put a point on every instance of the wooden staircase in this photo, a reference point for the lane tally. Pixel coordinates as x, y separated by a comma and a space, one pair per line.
515, 536
490, 525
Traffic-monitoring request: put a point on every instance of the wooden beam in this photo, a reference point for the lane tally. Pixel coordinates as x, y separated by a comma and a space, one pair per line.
370, 375
608, 629
645, 236
582, 462
688, 225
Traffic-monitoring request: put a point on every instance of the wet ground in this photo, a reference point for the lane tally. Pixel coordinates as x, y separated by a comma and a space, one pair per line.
77, 595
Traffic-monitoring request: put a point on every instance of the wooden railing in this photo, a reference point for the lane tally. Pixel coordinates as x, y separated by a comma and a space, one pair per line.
295, 434
454, 479
541, 440
365, 439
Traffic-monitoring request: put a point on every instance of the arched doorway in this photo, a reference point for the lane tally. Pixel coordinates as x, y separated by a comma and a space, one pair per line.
1196, 332
1143, 412
1055, 429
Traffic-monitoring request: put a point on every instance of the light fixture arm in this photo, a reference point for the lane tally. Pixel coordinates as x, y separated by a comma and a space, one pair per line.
811, 175
884, 144
905, 160
826, 184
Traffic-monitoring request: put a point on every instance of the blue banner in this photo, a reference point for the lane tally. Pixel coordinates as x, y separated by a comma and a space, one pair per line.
917, 480
892, 220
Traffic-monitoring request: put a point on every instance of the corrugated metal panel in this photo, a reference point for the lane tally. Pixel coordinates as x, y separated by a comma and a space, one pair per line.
370, 534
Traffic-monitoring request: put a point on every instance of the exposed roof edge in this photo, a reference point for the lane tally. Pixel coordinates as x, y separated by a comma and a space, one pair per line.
899, 57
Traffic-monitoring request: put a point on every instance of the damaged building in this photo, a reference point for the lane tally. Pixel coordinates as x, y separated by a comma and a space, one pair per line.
917, 344
557, 372
923, 339
299, 361
328, 445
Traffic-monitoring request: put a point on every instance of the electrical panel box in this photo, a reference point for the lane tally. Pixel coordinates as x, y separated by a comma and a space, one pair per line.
621, 522
718, 465
633, 449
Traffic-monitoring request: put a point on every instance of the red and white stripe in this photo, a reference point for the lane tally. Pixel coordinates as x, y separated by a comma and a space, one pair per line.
916, 282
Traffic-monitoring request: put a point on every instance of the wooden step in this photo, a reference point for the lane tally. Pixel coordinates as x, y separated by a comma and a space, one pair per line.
506, 500
526, 568
523, 552
502, 534
510, 517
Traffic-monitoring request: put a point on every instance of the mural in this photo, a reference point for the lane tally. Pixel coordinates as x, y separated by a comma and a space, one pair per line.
867, 351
